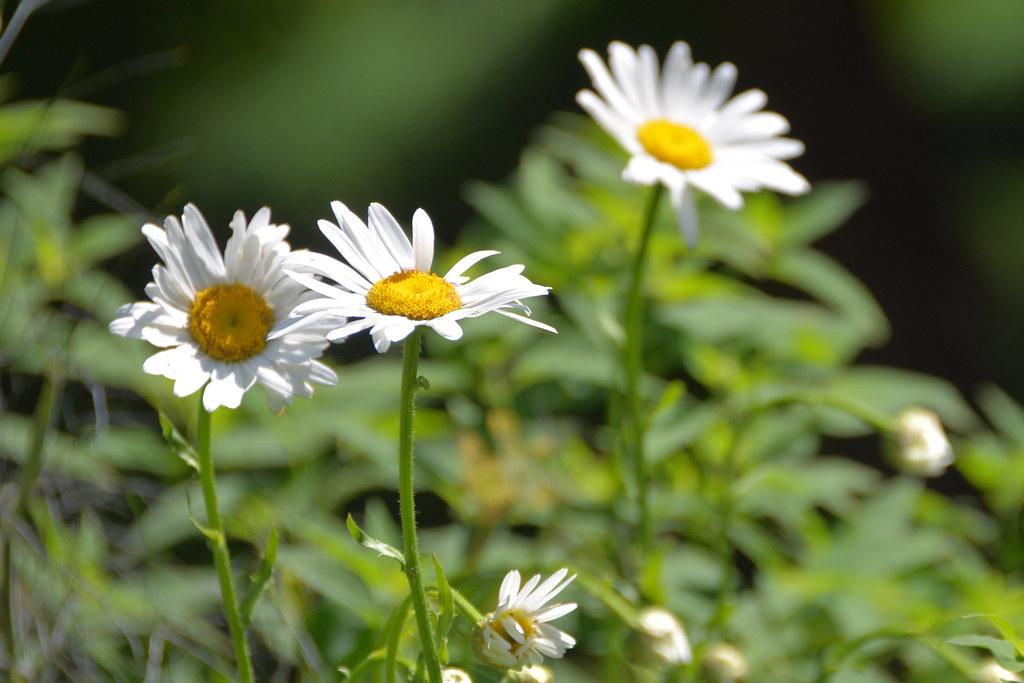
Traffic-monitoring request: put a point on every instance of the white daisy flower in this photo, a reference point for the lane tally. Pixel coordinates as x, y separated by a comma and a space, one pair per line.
923, 446
682, 129
216, 315
388, 287
665, 636
517, 633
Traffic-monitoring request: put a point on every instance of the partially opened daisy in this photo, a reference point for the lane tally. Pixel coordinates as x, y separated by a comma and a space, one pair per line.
216, 316
387, 285
683, 130
518, 632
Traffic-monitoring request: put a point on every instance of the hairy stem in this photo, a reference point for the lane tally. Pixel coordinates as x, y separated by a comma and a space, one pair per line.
219, 547
410, 361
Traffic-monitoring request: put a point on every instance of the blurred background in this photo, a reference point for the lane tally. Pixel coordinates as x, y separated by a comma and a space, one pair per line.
238, 104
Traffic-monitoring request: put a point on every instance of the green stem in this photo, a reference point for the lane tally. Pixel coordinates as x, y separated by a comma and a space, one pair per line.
634, 363
410, 360
49, 398
219, 547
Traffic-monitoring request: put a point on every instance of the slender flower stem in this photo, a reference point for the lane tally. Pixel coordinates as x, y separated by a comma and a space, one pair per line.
219, 547
49, 398
410, 360
633, 351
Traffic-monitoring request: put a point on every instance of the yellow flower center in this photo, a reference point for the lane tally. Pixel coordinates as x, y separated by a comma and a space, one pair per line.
675, 144
413, 294
525, 623
230, 322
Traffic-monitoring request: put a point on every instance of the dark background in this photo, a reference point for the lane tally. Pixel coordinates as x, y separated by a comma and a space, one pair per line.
239, 104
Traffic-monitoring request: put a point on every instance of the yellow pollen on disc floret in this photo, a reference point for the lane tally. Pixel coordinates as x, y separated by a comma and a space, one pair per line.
230, 322
675, 144
413, 294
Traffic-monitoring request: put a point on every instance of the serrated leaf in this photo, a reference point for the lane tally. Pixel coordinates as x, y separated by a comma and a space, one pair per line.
367, 541
261, 578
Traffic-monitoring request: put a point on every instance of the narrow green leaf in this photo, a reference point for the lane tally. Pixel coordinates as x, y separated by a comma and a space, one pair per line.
178, 444
261, 578
1000, 649
367, 541
393, 636
446, 602
1005, 628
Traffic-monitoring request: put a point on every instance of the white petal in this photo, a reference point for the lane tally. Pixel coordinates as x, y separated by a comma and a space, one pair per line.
447, 328
718, 186
617, 125
422, 241
454, 274
204, 247
686, 213
607, 87
380, 342
509, 587
392, 235
228, 383
642, 170
529, 321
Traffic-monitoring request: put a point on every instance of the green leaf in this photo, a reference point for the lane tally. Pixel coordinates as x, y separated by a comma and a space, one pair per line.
830, 205
446, 602
393, 636
261, 578
366, 541
1000, 649
1005, 414
1005, 628
179, 445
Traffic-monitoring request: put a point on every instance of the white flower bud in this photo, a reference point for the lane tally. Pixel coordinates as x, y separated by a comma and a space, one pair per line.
531, 674
923, 446
991, 672
725, 663
665, 636
453, 675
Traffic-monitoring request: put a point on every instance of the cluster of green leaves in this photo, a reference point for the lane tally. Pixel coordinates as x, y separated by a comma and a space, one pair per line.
768, 535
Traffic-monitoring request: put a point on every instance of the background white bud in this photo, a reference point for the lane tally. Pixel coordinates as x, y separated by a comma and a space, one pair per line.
991, 672
531, 674
724, 663
453, 675
664, 635
923, 446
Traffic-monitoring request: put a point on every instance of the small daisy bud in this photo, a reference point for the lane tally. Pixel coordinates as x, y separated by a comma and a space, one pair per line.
664, 636
453, 675
923, 446
531, 674
991, 672
724, 663
517, 633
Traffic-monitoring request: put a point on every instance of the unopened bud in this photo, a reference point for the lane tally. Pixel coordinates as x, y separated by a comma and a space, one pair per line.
531, 674
664, 636
923, 446
724, 663
991, 671
453, 675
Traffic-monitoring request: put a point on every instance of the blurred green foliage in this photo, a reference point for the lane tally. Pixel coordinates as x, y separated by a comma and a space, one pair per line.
818, 566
